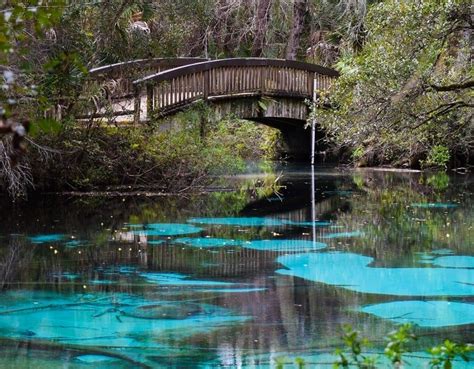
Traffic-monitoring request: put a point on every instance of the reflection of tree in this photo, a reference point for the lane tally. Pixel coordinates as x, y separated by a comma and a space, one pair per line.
394, 229
13, 259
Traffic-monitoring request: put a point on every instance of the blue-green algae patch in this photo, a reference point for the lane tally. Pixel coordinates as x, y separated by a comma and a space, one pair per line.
442, 252
285, 245
434, 205
75, 243
47, 238
176, 279
344, 235
94, 359
205, 242
239, 221
166, 229
432, 314
101, 282
458, 261
106, 320
66, 275
352, 272
44, 359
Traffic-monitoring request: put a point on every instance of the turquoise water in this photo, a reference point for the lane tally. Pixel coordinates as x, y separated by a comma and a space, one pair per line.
243, 278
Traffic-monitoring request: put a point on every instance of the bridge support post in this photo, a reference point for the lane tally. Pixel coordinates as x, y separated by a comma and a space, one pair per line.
136, 105
149, 101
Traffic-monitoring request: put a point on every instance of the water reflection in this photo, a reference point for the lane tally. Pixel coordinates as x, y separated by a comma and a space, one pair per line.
235, 278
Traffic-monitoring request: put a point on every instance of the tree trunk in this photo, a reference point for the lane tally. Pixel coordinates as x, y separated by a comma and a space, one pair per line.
262, 19
299, 10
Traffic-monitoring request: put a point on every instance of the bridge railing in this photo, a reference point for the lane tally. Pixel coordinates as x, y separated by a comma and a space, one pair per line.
170, 90
123, 74
110, 90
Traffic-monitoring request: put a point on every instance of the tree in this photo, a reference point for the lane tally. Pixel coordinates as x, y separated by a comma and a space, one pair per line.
299, 10
406, 95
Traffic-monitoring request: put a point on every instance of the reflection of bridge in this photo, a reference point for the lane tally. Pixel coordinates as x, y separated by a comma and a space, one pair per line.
269, 91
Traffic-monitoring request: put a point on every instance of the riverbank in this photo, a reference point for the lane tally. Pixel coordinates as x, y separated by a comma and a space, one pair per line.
180, 157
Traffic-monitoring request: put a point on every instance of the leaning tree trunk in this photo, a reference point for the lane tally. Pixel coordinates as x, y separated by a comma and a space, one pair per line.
261, 23
299, 10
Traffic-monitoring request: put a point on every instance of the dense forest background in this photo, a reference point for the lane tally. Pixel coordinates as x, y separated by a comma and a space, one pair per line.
404, 97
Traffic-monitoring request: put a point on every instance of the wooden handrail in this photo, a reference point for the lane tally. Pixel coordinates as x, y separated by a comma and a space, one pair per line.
167, 63
235, 62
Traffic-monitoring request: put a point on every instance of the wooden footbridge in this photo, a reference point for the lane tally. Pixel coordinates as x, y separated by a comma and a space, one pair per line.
269, 91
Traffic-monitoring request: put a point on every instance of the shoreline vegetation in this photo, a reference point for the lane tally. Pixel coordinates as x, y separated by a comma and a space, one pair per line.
403, 98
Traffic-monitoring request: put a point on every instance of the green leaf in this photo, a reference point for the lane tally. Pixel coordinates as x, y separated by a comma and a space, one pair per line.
48, 126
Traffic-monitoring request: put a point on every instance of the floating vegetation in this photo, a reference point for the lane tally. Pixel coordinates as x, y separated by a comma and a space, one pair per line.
434, 205
166, 229
285, 245
344, 235
208, 242
352, 272
47, 238
433, 314
455, 262
241, 222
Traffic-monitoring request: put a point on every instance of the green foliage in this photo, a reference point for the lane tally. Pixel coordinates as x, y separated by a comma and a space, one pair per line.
438, 156
444, 354
406, 93
44, 126
398, 341
354, 354
21, 22
171, 155
300, 363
